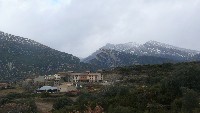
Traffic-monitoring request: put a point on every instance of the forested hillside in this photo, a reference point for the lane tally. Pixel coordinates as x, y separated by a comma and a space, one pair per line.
21, 57
166, 88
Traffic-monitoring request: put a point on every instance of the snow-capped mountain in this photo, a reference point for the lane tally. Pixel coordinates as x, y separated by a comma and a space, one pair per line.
106, 58
127, 48
153, 48
21, 57
122, 47
150, 48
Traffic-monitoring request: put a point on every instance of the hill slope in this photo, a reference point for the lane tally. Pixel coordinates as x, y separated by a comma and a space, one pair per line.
20, 57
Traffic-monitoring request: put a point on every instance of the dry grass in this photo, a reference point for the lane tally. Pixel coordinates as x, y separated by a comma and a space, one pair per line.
7, 91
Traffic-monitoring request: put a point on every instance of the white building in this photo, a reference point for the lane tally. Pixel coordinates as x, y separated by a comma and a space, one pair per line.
84, 77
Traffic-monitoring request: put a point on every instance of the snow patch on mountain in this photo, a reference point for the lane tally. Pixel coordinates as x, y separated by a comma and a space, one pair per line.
150, 48
18, 39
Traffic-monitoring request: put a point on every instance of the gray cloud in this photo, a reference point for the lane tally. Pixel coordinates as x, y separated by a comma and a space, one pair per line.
80, 27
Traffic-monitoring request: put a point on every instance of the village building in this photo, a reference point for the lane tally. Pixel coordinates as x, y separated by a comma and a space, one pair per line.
52, 77
49, 77
82, 77
48, 89
66, 81
56, 83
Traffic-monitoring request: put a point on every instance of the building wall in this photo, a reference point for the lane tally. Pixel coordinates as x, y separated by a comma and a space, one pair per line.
95, 77
84, 77
49, 77
57, 76
56, 83
100, 77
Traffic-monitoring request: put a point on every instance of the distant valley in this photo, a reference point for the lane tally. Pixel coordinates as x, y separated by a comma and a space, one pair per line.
21, 57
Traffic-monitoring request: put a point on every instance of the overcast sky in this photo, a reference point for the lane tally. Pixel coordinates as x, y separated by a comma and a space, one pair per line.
80, 27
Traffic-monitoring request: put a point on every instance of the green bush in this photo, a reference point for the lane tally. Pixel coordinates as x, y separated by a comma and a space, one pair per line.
61, 103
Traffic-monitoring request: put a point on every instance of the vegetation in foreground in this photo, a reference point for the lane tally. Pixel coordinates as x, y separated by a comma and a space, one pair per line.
166, 88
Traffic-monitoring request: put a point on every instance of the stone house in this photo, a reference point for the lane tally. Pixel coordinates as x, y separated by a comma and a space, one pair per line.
84, 77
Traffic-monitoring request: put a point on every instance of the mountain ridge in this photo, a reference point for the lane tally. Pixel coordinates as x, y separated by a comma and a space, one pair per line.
150, 48
131, 45
22, 57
